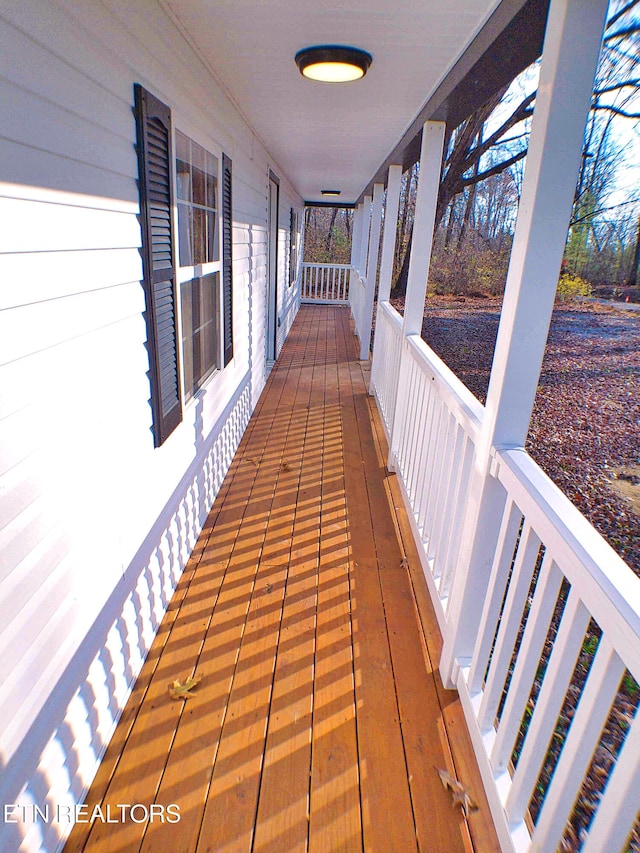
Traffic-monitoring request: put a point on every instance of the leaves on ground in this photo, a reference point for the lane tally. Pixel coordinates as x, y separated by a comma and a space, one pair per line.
585, 426
460, 793
184, 691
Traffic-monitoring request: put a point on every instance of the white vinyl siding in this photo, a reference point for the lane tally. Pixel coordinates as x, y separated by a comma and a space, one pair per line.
95, 524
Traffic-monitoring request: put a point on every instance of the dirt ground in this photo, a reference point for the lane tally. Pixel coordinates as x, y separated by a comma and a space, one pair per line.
585, 428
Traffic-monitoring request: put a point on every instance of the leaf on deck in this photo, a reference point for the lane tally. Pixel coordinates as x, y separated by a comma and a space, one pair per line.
459, 792
183, 691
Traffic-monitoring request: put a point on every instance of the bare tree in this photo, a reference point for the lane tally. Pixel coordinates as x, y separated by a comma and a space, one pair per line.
493, 142
328, 233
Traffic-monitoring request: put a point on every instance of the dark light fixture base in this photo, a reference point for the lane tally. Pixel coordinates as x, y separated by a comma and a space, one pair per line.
333, 63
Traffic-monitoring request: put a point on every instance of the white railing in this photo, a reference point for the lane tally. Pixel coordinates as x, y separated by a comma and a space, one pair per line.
325, 283
437, 421
559, 603
358, 305
553, 576
385, 365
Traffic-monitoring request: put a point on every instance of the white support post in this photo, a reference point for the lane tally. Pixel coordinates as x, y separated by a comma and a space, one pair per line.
569, 60
356, 238
423, 223
389, 232
374, 240
371, 271
423, 226
364, 236
356, 233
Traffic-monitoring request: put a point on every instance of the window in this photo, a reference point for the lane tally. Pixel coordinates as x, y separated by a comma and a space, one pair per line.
204, 276
199, 304
199, 254
197, 196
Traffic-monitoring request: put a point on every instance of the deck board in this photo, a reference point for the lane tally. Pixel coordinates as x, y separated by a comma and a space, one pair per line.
320, 716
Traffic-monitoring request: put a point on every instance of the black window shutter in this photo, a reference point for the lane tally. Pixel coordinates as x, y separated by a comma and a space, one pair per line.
227, 252
153, 126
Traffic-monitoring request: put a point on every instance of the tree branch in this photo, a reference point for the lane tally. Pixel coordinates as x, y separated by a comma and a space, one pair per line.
593, 213
512, 139
621, 12
615, 110
615, 87
522, 111
498, 169
624, 32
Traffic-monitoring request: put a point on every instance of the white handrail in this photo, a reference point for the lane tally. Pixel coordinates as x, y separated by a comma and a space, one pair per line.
325, 284
357, 301
552, 573
434, 428
385, 365
461, 401
611, 590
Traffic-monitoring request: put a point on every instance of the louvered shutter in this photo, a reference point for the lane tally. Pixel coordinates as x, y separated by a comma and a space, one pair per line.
227, 252
153, 125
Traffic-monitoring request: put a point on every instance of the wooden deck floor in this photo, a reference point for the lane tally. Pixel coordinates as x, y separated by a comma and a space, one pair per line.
320, 717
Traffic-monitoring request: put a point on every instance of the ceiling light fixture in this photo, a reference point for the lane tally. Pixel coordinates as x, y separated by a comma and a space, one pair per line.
330, 192
332, 63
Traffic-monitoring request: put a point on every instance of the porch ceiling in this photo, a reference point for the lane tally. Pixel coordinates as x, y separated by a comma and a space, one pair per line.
331, 136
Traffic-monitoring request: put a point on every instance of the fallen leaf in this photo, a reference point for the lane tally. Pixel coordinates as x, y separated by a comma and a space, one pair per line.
459, 792
445, 777
462, 797
183, 691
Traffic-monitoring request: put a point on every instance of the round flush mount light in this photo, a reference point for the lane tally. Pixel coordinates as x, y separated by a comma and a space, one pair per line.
332, 63
331, 193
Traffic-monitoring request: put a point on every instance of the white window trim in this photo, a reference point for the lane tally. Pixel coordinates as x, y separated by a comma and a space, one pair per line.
187, 273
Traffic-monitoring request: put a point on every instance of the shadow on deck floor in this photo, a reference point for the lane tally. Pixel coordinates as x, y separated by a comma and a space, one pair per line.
320, 717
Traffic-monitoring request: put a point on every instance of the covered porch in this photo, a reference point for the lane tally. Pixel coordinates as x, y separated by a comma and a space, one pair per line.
341, 608
320, 721
388, 591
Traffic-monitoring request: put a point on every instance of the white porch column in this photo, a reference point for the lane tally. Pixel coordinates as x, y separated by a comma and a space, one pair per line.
371, 271
421, 243
356, 238
356, 233
374, 239
389, 232
364, 235
424, 220
572, 43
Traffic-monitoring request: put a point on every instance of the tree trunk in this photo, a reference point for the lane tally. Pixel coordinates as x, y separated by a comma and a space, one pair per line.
448, 234
633, 278
472, 195
402, 229
400, 286
334, 213
467, 215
